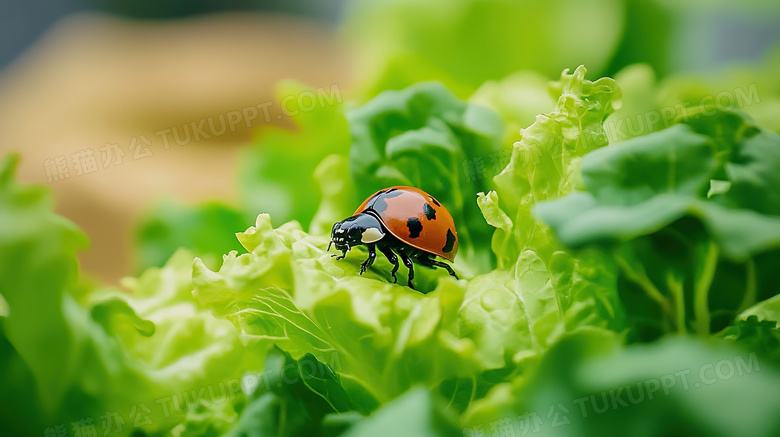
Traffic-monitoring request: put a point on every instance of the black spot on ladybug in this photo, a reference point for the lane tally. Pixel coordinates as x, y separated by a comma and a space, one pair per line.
379, 203
415, 227
450, 241
430, 213
434, 201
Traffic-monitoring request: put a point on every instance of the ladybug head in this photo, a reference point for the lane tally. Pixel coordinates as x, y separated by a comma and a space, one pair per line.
356, 230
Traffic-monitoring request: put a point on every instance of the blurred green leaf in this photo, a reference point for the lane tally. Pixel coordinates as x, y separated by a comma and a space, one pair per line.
63, 361
463, 43
760, 336
651, 105
207, 230
416, 413
277, 173
517, 99
648, 36
339, 198
292, 398
675, 387
588, 385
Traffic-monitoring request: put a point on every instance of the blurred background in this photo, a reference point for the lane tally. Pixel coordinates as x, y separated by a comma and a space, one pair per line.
154, 120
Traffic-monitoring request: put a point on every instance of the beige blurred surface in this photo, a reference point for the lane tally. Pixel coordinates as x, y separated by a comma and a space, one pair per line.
94, 80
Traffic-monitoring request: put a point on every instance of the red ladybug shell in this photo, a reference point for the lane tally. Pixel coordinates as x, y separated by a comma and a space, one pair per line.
416, 218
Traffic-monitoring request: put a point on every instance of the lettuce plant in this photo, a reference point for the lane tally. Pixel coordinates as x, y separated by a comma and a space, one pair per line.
575, 251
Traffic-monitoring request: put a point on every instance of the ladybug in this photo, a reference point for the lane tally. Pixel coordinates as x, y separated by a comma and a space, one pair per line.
399, 220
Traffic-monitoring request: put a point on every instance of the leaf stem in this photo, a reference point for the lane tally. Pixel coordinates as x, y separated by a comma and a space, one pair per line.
675, 286
750, 286
641, 279
701, 291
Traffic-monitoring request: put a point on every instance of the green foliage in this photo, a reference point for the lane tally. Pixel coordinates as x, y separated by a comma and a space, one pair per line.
517, 99
291, 398
418, 412
651, 104
690, 258
63, 362
279, 175
383, 338
422, 137
206, 230
276, 176
463, 43
571, 251
587, 385
761, 336
542, 286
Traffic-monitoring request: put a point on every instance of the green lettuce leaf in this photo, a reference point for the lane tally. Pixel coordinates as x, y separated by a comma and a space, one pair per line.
418, 413
760, 336
545, 161
119, 363
381, 338
38, 253
588, 385
517, 99
768, 309
291, 398
691, 257
206, 419
60, 365
187, 346
540, 291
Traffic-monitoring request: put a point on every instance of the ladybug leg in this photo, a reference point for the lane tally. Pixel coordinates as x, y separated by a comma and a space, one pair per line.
343, 254
428, 262
409, 265
393, 260
371, 257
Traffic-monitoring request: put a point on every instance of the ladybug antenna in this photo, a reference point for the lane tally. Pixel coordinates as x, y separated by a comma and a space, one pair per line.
329, 244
